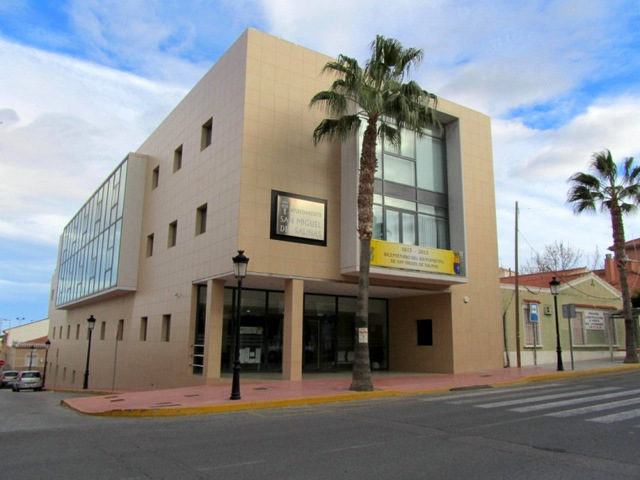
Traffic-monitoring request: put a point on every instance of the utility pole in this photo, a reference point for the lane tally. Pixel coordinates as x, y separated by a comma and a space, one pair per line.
517, 302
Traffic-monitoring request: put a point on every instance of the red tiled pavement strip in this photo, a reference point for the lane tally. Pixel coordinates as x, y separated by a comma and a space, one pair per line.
313, 389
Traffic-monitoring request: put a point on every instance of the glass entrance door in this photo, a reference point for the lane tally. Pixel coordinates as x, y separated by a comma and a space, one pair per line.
320, 341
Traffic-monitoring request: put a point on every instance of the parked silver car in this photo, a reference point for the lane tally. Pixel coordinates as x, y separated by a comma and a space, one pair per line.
29, 379
8, 378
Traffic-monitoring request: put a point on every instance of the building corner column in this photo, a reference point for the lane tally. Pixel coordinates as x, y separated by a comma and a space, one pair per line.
292, 341
213, 329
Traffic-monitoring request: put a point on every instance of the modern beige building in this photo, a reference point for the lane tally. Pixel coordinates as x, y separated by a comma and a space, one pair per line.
234, 167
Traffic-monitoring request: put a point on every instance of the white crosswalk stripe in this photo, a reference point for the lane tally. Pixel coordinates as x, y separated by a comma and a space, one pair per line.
574, 401
617, 417
595, 408
565, 401
520, 401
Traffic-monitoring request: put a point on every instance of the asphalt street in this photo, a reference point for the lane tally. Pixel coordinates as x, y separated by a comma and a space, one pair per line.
581, 428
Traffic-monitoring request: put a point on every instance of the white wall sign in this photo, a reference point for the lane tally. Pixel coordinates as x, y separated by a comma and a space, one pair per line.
593, 319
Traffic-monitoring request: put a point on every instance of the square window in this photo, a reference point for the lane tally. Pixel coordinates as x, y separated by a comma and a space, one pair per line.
177, 159
201, 219
155, 179
425, 332
207, 133
173, 234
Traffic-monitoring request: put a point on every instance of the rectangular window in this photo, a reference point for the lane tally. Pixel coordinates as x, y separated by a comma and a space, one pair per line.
103, 328
431, 165
166, 328
201, 219
78, 332
120, 331
425, 332
207, 133
177, 159
155, 179
68, 332
399, 170
173, 234
150, 245
143, 329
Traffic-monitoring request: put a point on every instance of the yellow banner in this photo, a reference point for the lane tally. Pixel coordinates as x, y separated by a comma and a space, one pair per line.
414, 257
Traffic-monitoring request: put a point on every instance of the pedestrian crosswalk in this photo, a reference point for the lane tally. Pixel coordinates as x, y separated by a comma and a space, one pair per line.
605, 404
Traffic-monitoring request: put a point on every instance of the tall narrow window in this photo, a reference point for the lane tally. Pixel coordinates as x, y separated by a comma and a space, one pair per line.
150, 245
68, 332
201, 219
143, 329
177, 159
166, 328
120, 331
103, 328
155, 179
78, 331
207, 133
173, 234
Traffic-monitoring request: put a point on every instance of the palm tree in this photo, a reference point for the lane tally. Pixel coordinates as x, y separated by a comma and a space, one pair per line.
617, 194
377, 97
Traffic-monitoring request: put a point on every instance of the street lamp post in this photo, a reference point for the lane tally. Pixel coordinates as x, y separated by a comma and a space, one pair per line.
553, 286
32, 348
92, 322
239, 271
47, 344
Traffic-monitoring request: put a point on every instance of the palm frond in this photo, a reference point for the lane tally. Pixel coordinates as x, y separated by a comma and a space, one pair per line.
336, 129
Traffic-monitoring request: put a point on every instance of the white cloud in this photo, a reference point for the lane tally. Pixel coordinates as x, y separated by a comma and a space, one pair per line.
69, 124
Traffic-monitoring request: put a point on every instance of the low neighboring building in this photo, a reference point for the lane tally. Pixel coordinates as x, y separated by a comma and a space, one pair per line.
594, 332
24, 346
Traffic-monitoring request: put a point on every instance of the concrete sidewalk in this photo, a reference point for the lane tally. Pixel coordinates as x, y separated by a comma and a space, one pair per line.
260, 393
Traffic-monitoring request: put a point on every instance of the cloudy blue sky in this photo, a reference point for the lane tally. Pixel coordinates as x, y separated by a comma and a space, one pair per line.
83, 82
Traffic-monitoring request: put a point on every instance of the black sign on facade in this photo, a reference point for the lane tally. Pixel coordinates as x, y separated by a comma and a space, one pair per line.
297, 218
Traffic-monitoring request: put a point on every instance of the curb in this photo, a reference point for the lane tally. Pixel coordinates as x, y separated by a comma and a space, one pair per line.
347, 397
237, 407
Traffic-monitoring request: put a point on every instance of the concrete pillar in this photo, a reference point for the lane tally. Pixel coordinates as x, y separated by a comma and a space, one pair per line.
292, 341
213, 329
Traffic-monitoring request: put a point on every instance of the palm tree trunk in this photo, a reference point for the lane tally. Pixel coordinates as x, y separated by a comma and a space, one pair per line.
361, 373
631, 345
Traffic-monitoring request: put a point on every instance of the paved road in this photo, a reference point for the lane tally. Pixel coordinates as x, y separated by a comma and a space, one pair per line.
585, 428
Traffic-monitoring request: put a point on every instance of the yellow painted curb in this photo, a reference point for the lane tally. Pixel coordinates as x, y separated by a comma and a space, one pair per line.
346, 397
238, 407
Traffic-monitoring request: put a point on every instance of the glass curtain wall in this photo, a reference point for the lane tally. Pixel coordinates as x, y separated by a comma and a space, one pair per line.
410, 199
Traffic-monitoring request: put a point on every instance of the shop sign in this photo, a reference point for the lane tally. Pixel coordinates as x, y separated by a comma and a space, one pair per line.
296, 218
594, 320
414, 257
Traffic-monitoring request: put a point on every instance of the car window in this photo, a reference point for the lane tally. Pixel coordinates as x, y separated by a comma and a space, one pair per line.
31, 374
